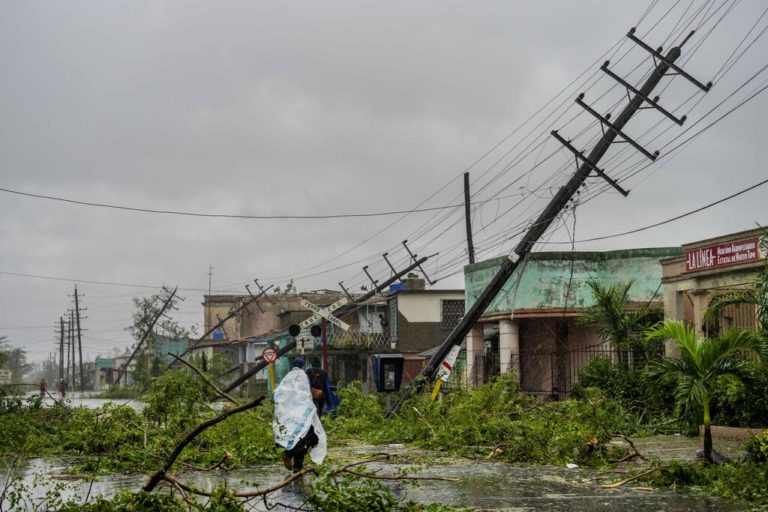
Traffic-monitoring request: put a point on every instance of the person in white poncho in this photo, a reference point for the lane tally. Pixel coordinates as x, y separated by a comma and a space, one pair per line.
297, 427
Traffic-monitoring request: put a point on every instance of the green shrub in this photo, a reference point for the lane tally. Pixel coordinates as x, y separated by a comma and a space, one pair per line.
742, 405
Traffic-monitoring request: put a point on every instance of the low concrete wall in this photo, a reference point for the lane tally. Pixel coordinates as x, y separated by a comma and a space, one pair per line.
741, 434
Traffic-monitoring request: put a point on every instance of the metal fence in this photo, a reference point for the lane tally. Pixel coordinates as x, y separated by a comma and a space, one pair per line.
550, 372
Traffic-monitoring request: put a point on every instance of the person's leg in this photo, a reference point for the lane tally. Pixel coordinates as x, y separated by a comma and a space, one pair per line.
287, 462
298, 458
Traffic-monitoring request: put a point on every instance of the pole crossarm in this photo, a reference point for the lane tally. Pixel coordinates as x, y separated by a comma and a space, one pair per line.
413, 257
612, 126
580, 155
651, 101
667, 61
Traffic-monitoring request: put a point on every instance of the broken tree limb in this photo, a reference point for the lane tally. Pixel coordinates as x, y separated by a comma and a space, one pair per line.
377, 476
616, 485
421, 416
205, 379
158, 476
246, 494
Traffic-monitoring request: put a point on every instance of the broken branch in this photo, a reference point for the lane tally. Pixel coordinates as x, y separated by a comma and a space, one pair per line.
158, 476
205, 379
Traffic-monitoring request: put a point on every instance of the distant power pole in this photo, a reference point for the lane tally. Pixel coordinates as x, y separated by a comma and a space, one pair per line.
468, 220
71, 349
79, 342
61, 349
208, 310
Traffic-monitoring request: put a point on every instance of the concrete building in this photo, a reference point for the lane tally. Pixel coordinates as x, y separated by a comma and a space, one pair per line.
420, 319
709, 268
531, 327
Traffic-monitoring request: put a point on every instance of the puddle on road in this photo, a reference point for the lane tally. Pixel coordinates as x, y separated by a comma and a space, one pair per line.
480, 485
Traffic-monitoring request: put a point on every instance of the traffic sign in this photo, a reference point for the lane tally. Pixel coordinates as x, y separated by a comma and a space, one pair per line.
326, 312
269, 355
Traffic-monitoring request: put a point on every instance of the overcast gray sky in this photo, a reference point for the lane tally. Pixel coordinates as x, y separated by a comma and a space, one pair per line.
323, 108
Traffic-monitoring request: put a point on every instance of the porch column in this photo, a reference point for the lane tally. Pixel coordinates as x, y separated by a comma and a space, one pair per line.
509, 347
700, 302
475, 350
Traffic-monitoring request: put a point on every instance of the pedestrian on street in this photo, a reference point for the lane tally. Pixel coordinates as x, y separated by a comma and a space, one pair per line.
296, 426
318, 385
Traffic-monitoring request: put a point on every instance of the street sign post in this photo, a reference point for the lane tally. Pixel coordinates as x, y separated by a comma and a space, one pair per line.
270, 356
324, 315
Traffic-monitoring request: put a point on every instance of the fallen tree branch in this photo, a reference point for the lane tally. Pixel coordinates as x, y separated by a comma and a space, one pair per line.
618, 484
434, 435
205, 379
635, 455
245, 494
158, 476
398, 477
273, 488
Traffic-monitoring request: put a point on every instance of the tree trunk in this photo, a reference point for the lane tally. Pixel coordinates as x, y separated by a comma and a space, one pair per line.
707, 434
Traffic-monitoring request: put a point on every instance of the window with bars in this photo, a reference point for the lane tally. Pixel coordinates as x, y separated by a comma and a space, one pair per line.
393, 317
452, 311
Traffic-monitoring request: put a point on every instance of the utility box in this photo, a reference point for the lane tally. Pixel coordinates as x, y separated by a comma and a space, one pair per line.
387, 372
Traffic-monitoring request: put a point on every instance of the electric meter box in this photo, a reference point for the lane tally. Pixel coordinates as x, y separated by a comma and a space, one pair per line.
387, 372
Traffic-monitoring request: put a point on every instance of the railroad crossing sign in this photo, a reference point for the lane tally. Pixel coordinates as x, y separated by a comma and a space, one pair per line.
326, 312
269, 355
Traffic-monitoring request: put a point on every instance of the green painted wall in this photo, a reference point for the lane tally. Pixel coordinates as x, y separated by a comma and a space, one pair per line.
546, 277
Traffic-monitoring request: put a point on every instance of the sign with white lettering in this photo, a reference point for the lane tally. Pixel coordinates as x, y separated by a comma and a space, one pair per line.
723, 255
327, 313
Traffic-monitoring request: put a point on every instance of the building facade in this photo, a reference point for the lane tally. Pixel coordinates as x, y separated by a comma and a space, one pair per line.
710, 268
532, 328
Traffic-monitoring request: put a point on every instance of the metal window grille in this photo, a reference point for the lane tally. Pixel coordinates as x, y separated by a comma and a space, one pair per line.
452, 313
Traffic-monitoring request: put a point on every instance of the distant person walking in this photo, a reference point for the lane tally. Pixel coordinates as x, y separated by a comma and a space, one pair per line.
43, 387
63, 388
296, 426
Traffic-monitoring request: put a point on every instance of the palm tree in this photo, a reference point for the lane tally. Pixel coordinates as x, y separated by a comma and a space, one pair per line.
614, 316
700, 365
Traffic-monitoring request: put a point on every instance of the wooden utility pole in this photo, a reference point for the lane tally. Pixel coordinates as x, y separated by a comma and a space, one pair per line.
79, 342
150, 327
61, 349
611, 130
468, 220
71, 332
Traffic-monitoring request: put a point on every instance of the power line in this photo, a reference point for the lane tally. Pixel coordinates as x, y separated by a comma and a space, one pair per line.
678, 217
87, 281
224, 215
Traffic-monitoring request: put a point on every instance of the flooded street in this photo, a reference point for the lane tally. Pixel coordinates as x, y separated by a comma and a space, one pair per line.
485, 485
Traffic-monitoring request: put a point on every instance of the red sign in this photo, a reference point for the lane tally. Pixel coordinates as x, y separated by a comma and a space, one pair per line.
722, 255
269, 355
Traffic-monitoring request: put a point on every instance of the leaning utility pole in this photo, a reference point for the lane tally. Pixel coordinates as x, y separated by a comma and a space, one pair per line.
232, 313
611, 130
343, 310
150, 327
468, 220
79, 342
